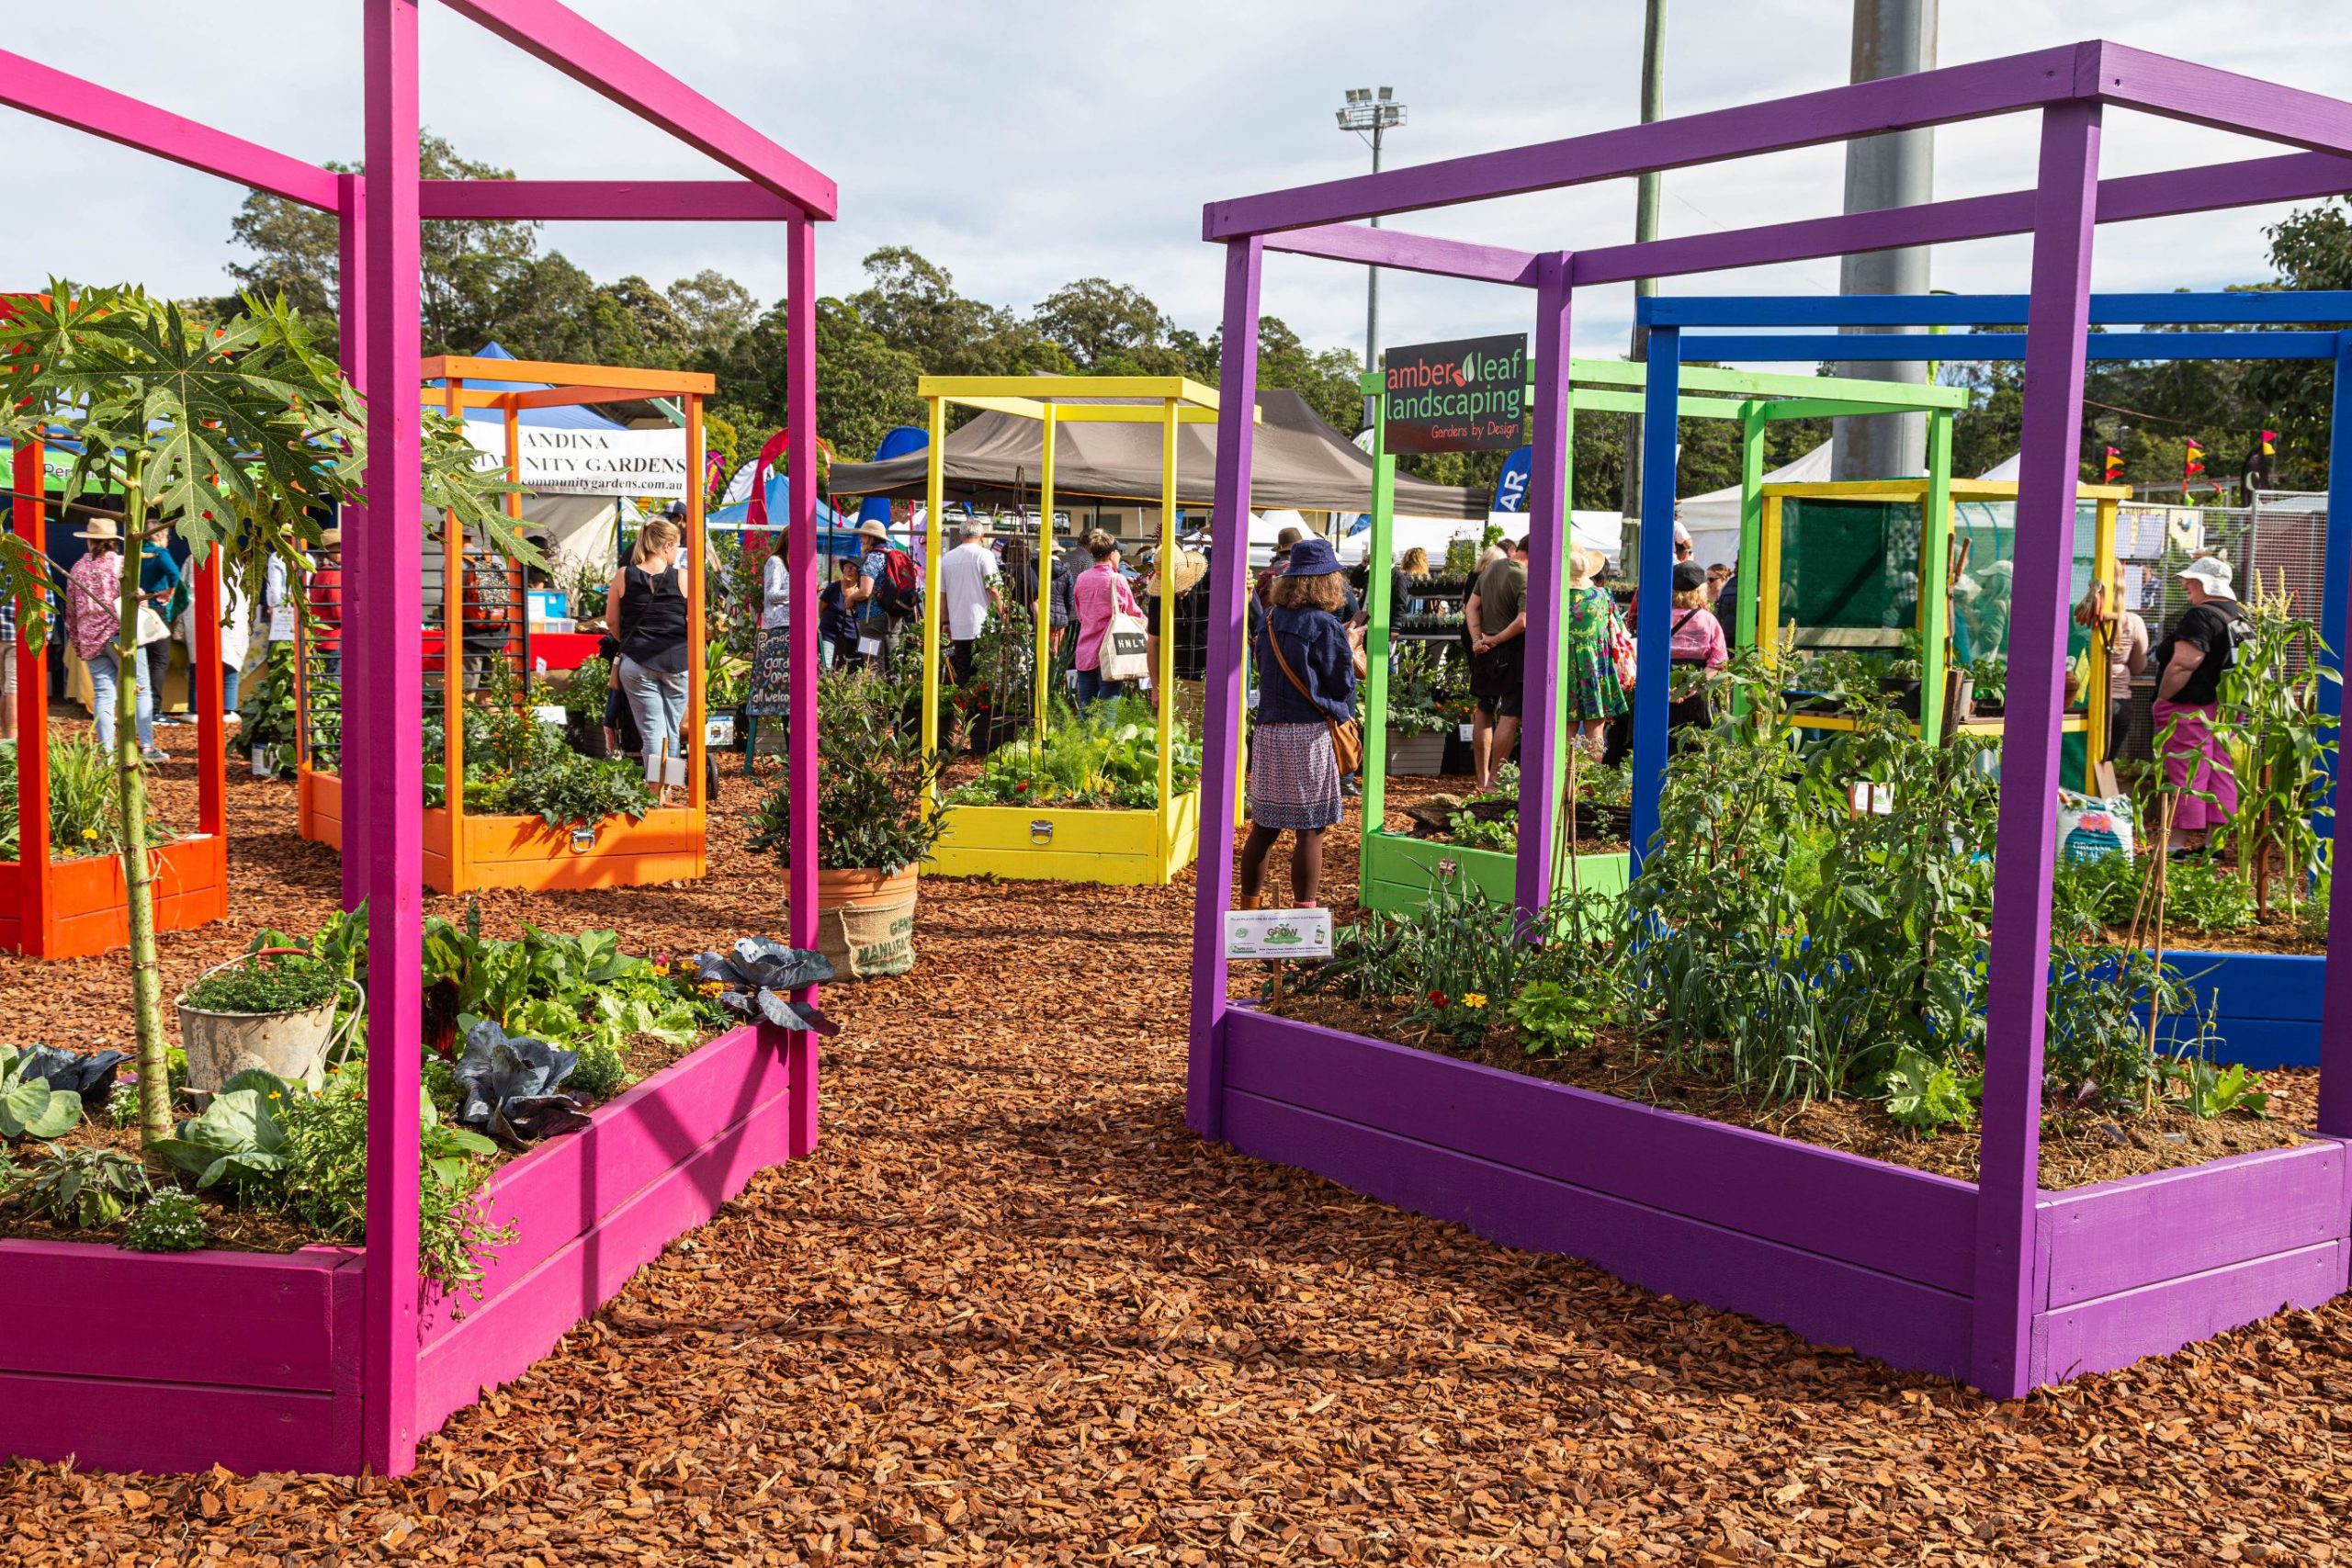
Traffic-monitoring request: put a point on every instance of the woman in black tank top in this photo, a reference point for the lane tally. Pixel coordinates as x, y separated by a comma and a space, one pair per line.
649, 600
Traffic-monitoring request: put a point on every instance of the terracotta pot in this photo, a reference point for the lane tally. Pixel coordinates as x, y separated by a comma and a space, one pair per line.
849, 889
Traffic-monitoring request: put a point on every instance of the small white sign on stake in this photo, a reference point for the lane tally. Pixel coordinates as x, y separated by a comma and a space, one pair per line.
1867, 800
1278, 933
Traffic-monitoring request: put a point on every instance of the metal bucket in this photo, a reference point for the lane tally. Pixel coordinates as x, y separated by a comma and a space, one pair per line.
220, 1045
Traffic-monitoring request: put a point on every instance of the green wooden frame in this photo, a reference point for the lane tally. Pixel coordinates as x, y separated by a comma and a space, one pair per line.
1755, 398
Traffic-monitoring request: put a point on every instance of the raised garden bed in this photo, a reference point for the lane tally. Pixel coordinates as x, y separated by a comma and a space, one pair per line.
1842, 1249
253, 1362
81, 907
1070, 844
665, 845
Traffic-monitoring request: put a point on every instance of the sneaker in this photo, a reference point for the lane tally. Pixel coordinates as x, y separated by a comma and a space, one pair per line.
228, 718
154, 754
1350, 789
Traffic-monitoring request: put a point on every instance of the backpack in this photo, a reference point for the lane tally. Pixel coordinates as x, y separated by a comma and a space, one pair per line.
897, 589
2241, 633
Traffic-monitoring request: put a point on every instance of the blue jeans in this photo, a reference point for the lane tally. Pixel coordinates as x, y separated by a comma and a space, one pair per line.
229, 676
105, 666
659, 704
1092, 689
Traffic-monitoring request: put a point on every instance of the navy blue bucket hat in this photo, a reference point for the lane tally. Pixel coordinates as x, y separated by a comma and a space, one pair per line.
1313, 558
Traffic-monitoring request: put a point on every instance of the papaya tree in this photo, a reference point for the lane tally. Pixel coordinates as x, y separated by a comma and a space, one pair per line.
240, 437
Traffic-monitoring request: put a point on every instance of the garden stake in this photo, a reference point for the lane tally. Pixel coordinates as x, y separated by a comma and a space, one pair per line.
2155, 968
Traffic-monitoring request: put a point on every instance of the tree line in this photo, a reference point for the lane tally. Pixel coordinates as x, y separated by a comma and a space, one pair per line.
492, 280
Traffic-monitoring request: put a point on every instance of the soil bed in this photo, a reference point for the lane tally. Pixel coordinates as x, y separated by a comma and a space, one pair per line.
2276, 934
2075, 1151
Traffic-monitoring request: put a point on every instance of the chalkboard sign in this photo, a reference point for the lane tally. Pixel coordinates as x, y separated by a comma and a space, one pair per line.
771, 694
1467, 395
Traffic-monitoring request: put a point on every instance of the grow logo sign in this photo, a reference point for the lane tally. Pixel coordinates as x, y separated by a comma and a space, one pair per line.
1465, 396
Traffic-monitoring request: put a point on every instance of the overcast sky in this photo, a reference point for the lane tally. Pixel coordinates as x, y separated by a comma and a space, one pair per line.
1024, 143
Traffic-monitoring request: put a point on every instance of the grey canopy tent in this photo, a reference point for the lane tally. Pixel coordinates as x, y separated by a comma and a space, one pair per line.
1299, 462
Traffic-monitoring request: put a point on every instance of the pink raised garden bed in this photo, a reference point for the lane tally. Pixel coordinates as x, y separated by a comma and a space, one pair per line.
125, 1360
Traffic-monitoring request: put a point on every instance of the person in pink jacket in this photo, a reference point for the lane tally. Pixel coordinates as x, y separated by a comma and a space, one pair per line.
1099, 593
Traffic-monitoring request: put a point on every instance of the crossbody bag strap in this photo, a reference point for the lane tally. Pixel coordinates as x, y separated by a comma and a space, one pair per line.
1276, 638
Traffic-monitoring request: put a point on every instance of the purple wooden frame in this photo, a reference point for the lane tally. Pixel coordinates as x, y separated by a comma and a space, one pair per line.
2010, 1321
379, 216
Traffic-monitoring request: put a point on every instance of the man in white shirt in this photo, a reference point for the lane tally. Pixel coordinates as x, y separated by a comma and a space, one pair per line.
967, 591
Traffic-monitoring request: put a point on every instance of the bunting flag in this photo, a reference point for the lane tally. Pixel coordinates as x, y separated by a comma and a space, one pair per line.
2114, 465
2268, 449
2194, 463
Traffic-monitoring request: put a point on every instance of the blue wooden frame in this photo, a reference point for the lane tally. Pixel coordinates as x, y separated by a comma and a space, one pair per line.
1669, 317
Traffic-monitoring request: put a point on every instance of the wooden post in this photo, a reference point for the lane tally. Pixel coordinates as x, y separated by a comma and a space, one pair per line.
801, 559
1229, 590
453, 657
206, 690
1935, 585
692, 742
1380, 561
1548, 523
934, 492
362, 665
2016, 986
382, 733
1164, 708
1651, 652
1045, 565
29, 518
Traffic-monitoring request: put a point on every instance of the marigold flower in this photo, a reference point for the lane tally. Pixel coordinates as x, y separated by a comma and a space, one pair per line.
1437, 999
1473, 999
89, 832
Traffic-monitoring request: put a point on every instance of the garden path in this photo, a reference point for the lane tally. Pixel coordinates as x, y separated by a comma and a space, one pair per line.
1013, 1312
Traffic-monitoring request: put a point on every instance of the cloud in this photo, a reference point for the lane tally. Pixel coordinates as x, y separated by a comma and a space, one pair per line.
1027, 142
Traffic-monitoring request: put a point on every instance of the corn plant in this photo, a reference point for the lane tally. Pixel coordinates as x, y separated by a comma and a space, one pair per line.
2270, 718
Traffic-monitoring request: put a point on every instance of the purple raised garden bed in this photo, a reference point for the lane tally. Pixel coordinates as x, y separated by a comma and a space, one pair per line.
1844, 1250
126, 1361
2002, 1283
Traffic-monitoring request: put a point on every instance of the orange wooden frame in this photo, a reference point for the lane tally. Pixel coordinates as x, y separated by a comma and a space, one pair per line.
76, 908
463, 853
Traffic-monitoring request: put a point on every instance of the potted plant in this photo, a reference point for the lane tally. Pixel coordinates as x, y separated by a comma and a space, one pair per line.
875, 825
272, 1008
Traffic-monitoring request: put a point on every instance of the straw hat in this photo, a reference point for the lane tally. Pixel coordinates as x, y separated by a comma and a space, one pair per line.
101, 530
1584, 566
1189, 570
871, 528
329, 538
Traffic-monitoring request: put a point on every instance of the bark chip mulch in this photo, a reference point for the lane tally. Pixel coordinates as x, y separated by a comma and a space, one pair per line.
1013, 1312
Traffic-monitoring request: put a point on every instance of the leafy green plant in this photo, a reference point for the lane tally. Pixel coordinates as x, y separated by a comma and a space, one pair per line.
2217, 1091
30, 1106
324, 1181
1551, 1019
1109, 757
576, 789
874, 788
171, 1221
239, 1138
285, 983
584, 690
85, 1188
1924, 1094
85, 813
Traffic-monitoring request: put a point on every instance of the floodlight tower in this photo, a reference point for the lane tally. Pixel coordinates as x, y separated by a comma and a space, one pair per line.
1370, 116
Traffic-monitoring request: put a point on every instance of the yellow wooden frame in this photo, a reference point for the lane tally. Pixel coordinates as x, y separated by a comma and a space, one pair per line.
1070, 844
1934, 547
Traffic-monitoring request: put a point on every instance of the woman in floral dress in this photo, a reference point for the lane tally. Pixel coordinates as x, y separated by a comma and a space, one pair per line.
1594, 696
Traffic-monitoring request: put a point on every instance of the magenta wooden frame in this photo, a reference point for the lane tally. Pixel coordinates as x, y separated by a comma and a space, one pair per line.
2156, 1285
256, 1358
393, 1373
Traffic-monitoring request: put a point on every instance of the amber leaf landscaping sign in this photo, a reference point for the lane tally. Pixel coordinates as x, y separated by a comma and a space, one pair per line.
1465, 396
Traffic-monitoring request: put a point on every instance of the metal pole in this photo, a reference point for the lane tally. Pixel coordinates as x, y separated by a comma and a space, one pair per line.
1892, 37
1645, 202
1372, 304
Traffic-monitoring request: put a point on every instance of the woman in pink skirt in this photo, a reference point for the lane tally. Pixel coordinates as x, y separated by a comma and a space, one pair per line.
2188, 689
